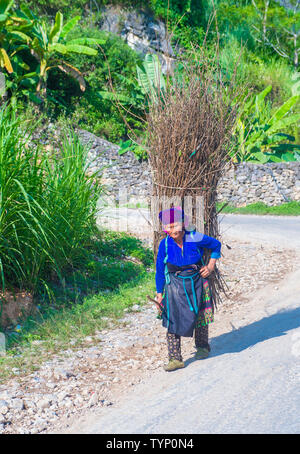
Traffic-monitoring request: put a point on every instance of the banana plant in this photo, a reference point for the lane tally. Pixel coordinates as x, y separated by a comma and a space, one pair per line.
259, 134
150, 77
47, 45
150, 82
5, 61
13, 34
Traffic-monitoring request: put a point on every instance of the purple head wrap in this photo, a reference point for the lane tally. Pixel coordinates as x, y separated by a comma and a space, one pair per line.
172, 215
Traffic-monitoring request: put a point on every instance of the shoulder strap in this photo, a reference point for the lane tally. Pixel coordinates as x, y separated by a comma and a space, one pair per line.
167, 276
166, 249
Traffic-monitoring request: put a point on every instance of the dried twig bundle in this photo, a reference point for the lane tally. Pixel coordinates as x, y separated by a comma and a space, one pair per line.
189, 125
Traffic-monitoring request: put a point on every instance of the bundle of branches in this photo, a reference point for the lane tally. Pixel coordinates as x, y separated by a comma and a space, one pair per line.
189, 124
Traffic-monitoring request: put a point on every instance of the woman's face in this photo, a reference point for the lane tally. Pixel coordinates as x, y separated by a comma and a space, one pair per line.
175, 230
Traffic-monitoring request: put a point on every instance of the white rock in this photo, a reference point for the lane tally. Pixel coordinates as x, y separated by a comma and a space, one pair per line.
78, 401
2, 419
4, 406
29, 404
44, 403
93, 400
62, 373
40, 423
17, 404
68, 404
34, 431
4, 395
61, 396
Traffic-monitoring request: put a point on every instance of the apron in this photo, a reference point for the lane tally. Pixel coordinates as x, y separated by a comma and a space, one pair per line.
186, 302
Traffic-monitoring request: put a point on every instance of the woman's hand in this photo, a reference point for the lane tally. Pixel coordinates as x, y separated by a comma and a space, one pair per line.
159, 297
206, 270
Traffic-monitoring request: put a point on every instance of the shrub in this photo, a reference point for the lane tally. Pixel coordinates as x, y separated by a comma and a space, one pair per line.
91, 110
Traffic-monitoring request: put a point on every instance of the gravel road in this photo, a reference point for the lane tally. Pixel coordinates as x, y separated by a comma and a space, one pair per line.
281, 230
251, 381
270, 229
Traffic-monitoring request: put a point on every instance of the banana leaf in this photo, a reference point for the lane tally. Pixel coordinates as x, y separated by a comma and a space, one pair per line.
288, 121
150, 77
17, 34
57, 28
260, 99
81, 49
87, 41
284, 109
58, 47
69, 26
5, 61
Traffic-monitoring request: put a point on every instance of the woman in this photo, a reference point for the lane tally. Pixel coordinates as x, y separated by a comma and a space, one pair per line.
186, 304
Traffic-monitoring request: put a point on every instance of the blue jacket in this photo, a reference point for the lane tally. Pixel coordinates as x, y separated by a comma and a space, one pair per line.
192, 251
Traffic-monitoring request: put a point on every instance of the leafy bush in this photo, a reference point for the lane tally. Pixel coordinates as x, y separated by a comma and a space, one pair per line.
260, 134
91, 109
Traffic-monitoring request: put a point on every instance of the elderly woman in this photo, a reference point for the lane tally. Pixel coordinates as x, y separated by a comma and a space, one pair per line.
186, 304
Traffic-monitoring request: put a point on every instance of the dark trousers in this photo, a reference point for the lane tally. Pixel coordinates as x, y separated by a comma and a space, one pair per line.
174, 342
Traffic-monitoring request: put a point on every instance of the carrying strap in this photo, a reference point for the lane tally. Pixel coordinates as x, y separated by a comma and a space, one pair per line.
167, 276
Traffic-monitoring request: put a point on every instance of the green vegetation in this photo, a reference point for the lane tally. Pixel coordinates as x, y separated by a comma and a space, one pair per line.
54, 52
93, 109
66, 69
50, 244
83, 306
259, 208
48, 205
258, 132
48, 47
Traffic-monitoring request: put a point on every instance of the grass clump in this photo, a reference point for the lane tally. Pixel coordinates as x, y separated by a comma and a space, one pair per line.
260, 208
48, 205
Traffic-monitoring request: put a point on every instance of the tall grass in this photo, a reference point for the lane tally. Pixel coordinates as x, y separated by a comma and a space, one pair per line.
47, 205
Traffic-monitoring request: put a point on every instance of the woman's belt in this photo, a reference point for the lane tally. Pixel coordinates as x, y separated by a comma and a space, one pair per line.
175, 268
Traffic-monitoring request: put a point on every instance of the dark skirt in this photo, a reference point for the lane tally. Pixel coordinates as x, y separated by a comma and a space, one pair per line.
186, 302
